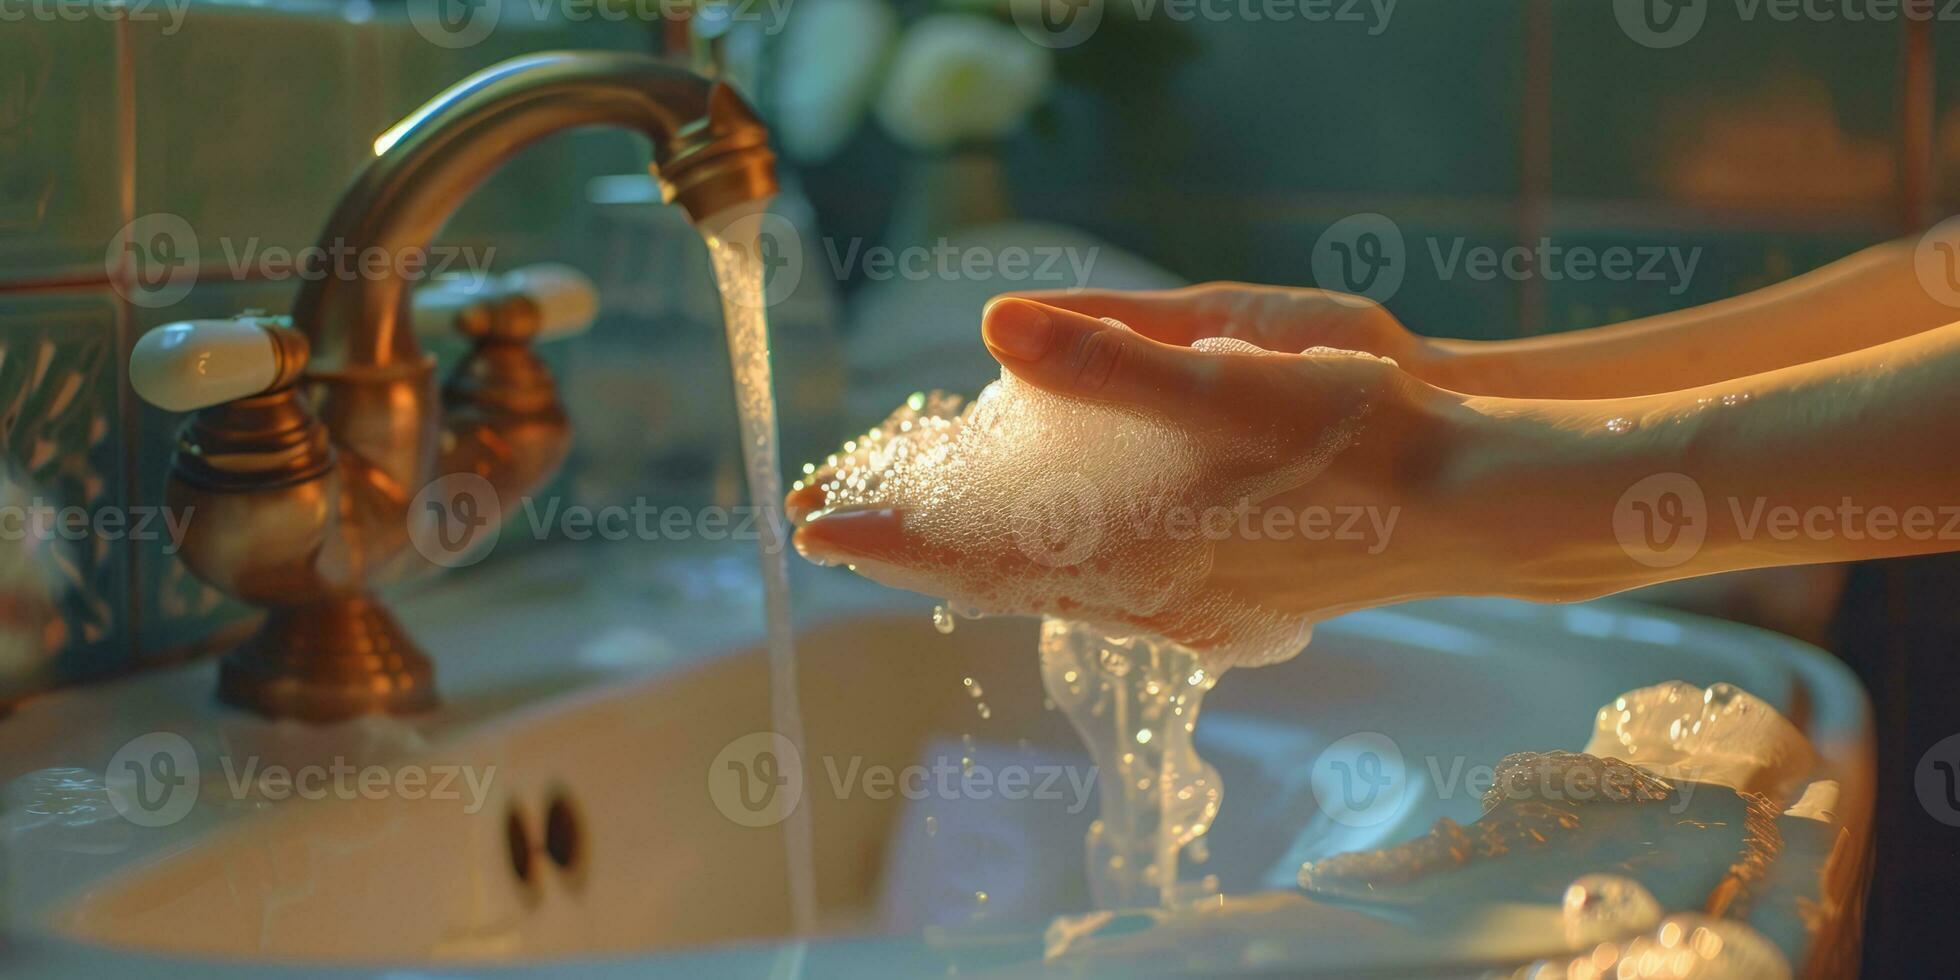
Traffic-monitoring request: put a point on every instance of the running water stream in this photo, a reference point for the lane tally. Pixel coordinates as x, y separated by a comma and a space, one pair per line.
739, 274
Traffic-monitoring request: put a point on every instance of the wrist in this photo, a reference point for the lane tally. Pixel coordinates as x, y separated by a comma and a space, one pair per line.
1565, 501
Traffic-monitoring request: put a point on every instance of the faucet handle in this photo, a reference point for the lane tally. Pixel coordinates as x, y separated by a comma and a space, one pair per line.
536, 302
193, 364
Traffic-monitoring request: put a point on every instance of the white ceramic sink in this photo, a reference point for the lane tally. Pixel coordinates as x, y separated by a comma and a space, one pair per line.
616, 699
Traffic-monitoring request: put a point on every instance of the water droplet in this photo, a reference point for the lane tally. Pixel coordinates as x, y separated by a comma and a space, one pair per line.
942, 619
932, 826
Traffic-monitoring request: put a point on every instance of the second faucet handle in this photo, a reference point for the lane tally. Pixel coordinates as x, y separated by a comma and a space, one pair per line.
536, 302
193, 364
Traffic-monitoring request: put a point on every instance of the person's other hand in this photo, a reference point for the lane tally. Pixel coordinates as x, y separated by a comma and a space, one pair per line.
1283, 319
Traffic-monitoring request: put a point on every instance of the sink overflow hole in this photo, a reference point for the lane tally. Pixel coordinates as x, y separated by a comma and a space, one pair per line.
518, 837
563, 840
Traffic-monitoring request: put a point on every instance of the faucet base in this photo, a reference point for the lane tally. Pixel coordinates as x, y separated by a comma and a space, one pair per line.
328, 661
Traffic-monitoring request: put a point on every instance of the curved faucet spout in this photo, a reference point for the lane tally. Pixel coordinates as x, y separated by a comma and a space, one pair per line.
323, 490
709, 153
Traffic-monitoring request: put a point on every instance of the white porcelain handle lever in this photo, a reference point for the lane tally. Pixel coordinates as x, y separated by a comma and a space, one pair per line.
565, 299
182, 367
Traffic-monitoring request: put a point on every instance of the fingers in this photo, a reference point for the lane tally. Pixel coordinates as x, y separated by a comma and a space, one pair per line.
800, 503
1075, 354
1278, 318
1173, 316
877, 536
853, 535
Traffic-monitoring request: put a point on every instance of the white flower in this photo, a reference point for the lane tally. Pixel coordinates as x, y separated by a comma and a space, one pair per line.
832, 52
961, 77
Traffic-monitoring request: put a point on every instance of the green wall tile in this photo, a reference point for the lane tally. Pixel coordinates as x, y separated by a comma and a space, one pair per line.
63, 156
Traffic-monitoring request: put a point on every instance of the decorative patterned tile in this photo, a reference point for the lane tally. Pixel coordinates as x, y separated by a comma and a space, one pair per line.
176, 608
64, 591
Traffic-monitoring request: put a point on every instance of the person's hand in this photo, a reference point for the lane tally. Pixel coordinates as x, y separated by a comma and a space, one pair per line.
1277, 318
1354, 526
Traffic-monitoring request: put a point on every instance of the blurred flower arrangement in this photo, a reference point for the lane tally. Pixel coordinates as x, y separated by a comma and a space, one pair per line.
937, 76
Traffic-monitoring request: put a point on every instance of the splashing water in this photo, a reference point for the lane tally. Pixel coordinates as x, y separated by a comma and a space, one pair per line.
739, 273
1135, 702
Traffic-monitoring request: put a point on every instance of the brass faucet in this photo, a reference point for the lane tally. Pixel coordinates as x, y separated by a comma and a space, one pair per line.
305, 512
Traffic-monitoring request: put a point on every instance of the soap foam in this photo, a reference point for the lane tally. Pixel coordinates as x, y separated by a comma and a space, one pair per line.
1025, 501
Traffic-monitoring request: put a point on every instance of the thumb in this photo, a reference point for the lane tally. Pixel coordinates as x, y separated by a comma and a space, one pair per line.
1074, 354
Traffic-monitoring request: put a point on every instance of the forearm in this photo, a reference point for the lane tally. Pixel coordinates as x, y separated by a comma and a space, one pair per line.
1845, 458
1872, 297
